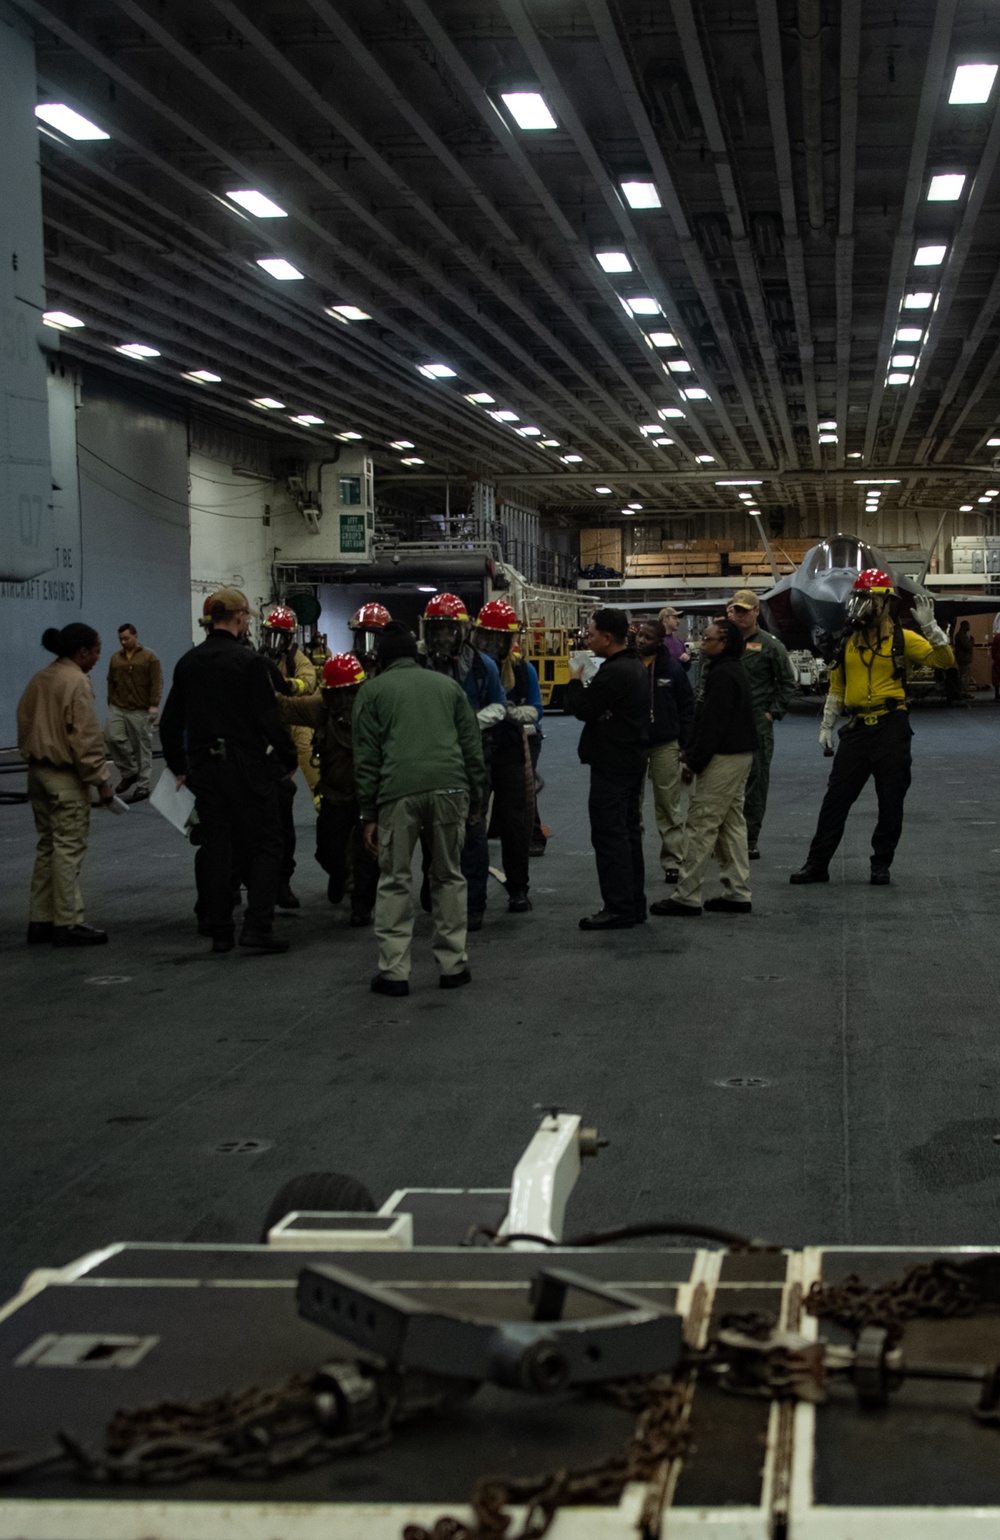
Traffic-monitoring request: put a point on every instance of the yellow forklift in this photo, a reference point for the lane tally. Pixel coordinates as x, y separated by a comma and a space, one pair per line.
549, 648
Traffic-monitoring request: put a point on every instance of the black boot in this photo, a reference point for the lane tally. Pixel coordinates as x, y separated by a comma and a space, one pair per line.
78, 935
39, 931
809, 873
286, 899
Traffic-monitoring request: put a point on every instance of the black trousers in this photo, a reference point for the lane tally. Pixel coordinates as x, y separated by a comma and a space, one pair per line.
513, 818
240, 822
883, 752
616, 835
534, 749
286, 807
339, 843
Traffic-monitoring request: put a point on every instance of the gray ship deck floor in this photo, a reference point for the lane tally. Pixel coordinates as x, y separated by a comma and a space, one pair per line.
865, 1019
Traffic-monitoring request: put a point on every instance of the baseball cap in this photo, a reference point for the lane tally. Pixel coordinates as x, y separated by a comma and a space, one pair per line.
232, 600
745, 599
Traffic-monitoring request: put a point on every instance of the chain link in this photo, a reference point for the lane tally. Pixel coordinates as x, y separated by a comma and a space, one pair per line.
936, 1290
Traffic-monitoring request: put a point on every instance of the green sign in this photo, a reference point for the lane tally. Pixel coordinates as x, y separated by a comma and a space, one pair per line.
352, 532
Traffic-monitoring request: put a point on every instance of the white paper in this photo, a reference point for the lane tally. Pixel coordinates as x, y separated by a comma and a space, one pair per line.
175, 803
590, 664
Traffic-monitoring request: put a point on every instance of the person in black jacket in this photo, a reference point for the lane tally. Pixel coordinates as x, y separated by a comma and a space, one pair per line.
670, 701
717, 760
614, 710
221, 733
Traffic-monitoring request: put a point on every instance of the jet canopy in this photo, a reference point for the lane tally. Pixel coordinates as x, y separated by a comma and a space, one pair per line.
839, 554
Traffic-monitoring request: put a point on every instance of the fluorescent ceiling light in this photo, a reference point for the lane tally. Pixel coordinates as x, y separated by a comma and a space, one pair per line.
993, 443
946, 187
613, 261
256, 203
413, 460
649, 428
929, 256
828, 438
57, 115
279, 268
670, 411
992, 492
897, 379
402, 443
903, 360
965, 508
60, 319
604, 491
640, 195
203, 376
644, 304
984, 499
855, 454
528, 109
920, 300
308, 420
505, 416
350, 434
663, 442
663, 340
695, 394
529, 432
679, 366
972, 83
436, 371
480, 398
348, 312
550, 443
909, 334
745, 482
635, 507
571, 459
827, 426
705, 459
627, 512
138, 350
879, 481
269, 403
745, 497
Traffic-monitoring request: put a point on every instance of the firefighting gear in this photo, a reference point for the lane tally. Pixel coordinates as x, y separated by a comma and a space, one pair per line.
279, 632
833, 707
366, 629
871, 597
341, 670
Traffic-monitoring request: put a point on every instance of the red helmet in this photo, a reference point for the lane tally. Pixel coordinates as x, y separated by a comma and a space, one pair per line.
445, 607
370, 617
280, 619
343, 668
498, 615
874, 581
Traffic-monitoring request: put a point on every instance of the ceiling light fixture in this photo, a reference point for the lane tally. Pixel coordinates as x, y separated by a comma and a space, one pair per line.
256, 203
920, 300
604, 491
572, 459
696, 393
279, 268
413, 460
705, 459
268, 403
929, 256
138, 350
529, 432
613, 261
635, 507
855, 454
481, 398
505, 416
879, 481
663, 442
909, 334
663, 340
828, 438
402, 443
350, 434
984, 499
348, 313
744, 482
972, 83
436, 371
550, 443
528, 109
669, 411
679, 366
993, 443
57, 115
966, 508
203, 376
644, 304
946, 188
60, 319
627, 512
649, 428
827, 426
903, 360
640, 195
992, 492
744, 497
308, 420
897, 379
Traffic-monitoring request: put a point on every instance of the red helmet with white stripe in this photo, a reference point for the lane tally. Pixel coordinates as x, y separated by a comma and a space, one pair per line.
340, 670
280, 619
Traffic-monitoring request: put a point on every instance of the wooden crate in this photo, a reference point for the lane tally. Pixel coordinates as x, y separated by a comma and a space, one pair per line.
675, 564
603, 546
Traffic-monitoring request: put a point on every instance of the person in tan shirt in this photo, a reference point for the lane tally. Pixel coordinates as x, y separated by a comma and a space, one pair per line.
60, 737
135, 684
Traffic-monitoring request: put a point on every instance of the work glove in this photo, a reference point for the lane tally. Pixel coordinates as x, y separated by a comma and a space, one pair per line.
832, 708
923, 614
526, 715
491, 715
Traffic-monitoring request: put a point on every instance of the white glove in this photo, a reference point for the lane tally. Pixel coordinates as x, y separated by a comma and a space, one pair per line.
832, 708
526, 715
490, 716
923, 614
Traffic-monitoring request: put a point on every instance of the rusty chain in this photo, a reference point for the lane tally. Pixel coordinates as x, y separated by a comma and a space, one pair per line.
936, 1290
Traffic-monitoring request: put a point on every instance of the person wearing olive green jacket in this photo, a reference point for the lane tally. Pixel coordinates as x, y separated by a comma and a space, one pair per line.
418, 770
772, 684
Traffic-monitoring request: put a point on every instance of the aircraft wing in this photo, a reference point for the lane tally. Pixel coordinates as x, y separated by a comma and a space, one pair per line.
949, 606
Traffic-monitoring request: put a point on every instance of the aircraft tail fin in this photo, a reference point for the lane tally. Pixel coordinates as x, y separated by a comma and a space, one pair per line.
930, 550
769, 550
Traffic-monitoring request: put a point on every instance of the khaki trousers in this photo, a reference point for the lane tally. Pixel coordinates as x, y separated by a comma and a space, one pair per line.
715, 826
302, 737
61, 805
665, 777
129, 736
439, 818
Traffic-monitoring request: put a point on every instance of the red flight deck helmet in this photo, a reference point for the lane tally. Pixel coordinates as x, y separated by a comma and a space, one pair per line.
446, 607
871, 594
280, 619
498, 615
340, 670
370, 617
